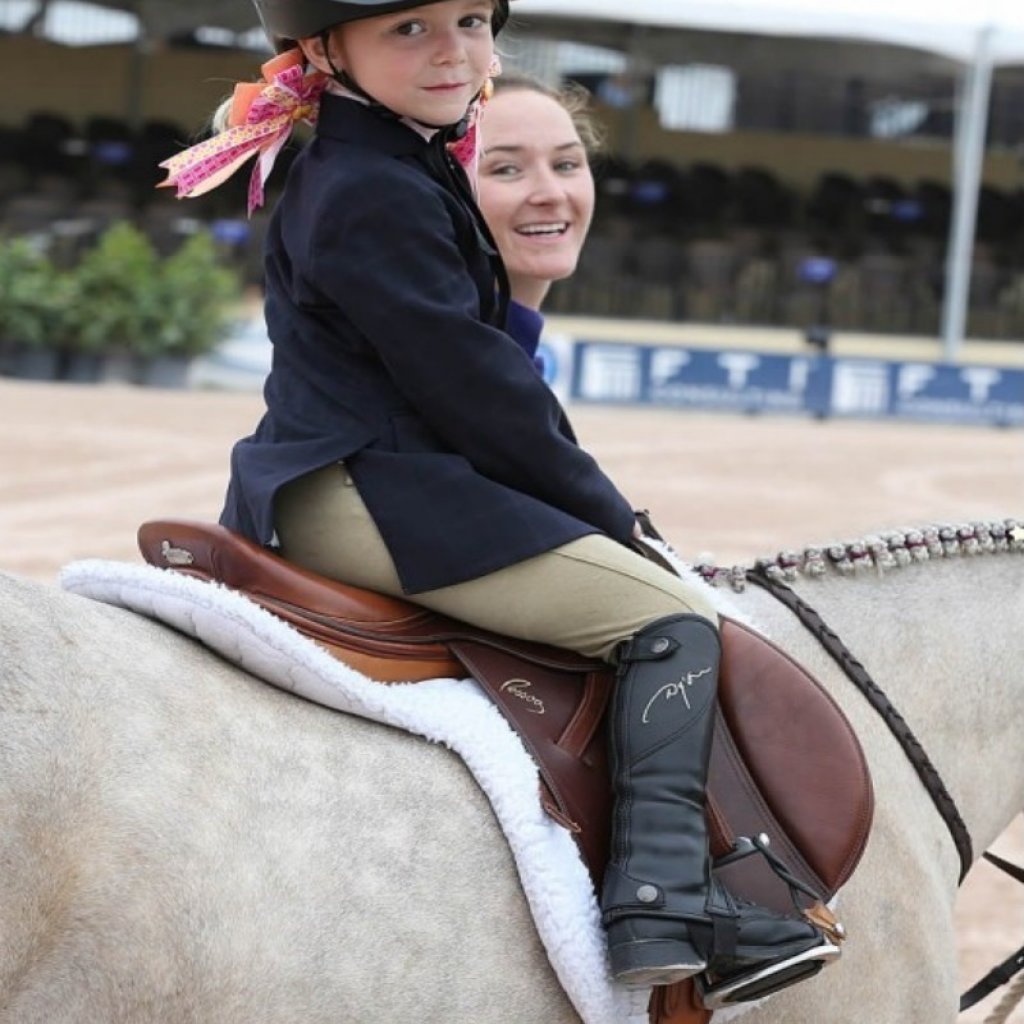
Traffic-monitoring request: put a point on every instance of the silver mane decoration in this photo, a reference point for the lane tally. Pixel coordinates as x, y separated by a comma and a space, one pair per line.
891, 549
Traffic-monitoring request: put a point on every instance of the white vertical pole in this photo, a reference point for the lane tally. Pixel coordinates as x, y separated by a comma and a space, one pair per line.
136, 77
968, 159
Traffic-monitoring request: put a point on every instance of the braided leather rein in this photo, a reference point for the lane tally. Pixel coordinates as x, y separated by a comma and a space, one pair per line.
926, 771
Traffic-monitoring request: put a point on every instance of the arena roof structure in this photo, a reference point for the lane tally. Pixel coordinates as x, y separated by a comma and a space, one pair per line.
948, 28
975, 37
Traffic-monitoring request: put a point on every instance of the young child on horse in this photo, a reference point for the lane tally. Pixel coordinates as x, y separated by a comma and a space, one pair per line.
410, 446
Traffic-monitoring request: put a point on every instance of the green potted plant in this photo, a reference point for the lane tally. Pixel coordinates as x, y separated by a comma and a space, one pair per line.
195, 297
32, 300
125, 314
114, 305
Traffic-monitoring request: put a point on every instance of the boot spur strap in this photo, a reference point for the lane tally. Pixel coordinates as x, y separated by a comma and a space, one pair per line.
826, 922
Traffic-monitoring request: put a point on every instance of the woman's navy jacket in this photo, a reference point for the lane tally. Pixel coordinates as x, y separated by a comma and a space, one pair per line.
379, 293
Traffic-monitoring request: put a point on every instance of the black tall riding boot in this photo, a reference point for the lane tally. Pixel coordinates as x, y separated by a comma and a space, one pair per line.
667, 918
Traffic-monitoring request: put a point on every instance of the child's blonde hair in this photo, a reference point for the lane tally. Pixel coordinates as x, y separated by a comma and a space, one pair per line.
219, 118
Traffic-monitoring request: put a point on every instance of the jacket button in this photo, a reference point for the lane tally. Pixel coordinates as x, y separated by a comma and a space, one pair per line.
660, 646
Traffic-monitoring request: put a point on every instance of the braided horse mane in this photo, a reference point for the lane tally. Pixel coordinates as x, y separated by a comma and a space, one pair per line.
880, 552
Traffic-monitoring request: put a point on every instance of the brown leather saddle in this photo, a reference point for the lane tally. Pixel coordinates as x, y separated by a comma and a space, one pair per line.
785, 763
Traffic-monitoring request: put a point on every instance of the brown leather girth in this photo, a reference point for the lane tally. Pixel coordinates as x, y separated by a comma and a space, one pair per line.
784, 760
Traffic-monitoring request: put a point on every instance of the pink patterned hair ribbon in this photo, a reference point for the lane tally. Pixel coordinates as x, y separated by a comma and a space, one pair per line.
262, 117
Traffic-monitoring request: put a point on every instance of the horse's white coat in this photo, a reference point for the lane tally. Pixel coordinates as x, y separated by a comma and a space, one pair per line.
182, 844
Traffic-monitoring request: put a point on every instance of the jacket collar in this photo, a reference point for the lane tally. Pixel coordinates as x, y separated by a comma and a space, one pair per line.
350, 121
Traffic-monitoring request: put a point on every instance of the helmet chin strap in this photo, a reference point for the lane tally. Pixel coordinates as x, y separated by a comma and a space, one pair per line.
341, 76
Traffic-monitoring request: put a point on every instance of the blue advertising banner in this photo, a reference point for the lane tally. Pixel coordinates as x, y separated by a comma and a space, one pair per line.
928, 391
757, 382
734, 381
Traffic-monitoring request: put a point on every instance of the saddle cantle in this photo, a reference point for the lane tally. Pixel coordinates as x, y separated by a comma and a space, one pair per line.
785, 764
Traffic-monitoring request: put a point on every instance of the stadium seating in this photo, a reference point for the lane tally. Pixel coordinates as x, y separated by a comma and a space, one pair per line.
695, 242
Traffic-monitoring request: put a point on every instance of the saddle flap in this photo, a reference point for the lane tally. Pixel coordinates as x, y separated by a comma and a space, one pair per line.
801, 754
559, 716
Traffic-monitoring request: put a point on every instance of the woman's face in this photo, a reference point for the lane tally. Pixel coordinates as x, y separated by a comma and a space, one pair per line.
535, 189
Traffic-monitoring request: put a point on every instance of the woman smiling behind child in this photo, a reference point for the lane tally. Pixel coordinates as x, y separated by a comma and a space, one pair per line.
535, 187
409, 446
536, 190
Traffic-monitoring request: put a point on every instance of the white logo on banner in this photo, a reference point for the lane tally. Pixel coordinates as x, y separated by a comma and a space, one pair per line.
799, 374
980, 380
912, 379
860, 388
738, 366
610, 372
666, 364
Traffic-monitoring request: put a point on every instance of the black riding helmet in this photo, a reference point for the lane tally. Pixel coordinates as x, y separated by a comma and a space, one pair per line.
287, 20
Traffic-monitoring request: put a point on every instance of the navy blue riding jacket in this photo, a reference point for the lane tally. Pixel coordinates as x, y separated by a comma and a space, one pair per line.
380, 303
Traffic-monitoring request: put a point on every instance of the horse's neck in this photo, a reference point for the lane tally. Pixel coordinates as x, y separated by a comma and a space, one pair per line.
945, 641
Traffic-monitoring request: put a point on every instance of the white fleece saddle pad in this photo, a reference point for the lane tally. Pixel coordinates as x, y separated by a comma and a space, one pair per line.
454, 712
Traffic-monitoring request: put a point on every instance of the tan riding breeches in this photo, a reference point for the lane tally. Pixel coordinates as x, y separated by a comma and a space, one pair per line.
585, 596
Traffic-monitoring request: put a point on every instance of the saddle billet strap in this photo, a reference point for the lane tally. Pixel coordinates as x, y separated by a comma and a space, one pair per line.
876, 697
